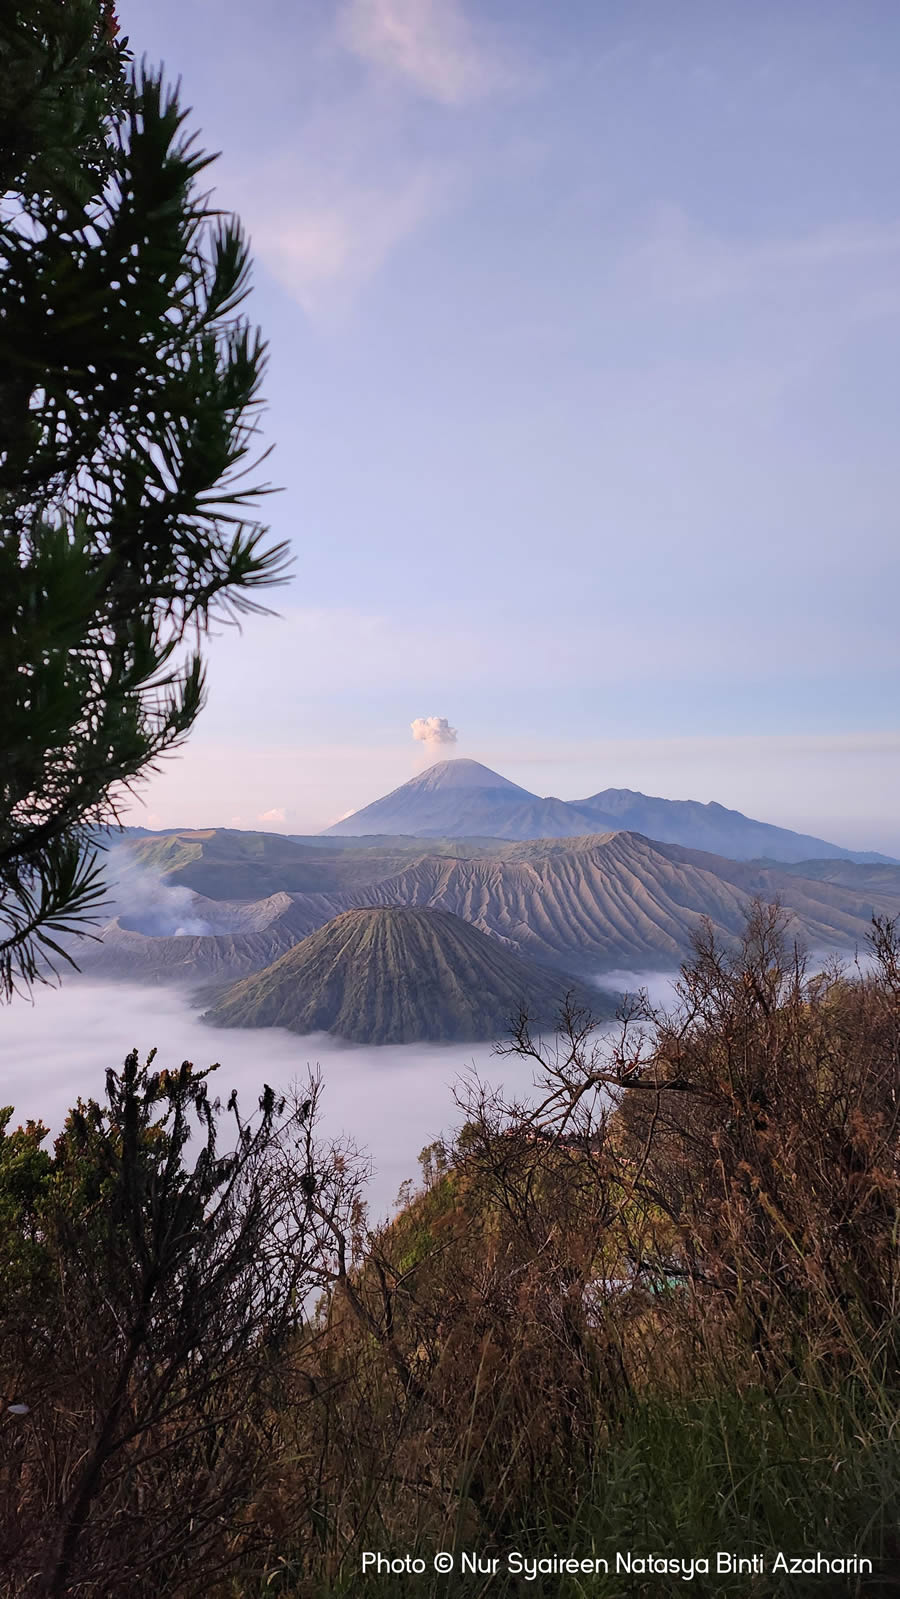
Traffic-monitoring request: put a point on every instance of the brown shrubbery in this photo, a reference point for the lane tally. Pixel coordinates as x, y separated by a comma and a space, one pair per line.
708, 1207
150, 1287
655, 1302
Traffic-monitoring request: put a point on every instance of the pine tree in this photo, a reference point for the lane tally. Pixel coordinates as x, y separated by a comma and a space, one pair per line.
129, 392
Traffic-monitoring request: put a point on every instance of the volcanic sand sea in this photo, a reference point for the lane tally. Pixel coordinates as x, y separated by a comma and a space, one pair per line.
391, 1100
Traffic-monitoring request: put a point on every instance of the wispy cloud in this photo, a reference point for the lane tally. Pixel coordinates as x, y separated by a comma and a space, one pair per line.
430, 44
681, 260
323, 233
276, 814
331, 195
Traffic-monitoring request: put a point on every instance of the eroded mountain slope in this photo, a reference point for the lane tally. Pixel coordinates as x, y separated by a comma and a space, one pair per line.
589, 905
397, 976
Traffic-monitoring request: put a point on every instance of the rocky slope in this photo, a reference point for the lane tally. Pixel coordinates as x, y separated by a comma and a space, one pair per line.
589, 905
623, 901
239, 938
223, 863
399, 976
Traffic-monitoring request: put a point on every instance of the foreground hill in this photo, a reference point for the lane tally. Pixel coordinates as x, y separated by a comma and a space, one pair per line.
463, 798
398, 976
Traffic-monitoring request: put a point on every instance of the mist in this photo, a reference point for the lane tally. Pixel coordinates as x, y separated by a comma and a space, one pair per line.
145, 903
659, 986
392, 1100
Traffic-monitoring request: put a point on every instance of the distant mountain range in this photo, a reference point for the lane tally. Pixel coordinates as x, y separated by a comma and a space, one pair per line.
584, 905
432, 913
398, 976
463, 799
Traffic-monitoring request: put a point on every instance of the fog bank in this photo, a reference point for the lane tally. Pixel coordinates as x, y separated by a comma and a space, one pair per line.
659, 986
392, 1099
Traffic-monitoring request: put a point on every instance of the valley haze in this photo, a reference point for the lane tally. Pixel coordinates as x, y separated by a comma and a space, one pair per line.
390, 1101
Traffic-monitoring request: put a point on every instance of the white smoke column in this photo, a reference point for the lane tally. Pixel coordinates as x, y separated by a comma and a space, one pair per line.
433, 731
146, 902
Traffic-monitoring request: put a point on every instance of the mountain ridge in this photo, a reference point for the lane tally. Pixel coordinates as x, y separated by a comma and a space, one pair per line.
587, 905
621, 900
454, 798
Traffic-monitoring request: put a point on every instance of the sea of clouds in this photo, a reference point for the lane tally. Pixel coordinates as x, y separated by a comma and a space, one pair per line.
391, 1100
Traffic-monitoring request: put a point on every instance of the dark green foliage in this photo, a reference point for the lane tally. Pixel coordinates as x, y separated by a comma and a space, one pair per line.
128, 390
62, 75
24, 1177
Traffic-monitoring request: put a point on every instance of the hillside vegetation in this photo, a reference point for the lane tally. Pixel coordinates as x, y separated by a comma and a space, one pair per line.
664, 1323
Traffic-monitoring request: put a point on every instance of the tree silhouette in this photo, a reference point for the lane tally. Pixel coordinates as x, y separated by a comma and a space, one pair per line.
129, 390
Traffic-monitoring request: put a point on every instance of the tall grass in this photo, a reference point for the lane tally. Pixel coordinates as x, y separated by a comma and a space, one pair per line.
801, 1470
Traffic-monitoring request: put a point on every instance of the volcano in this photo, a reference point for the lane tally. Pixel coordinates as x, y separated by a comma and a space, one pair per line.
463, 799
400, 975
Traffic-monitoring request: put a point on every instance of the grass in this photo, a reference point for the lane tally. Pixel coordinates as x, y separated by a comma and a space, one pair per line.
802, 1470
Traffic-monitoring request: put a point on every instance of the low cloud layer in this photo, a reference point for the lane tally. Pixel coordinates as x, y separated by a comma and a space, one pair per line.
658, 986
392, 1100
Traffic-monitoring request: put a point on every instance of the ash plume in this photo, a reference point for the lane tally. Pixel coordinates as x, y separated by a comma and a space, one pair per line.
433, 731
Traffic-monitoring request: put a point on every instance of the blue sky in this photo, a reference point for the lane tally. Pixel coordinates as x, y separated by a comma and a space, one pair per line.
584, 324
